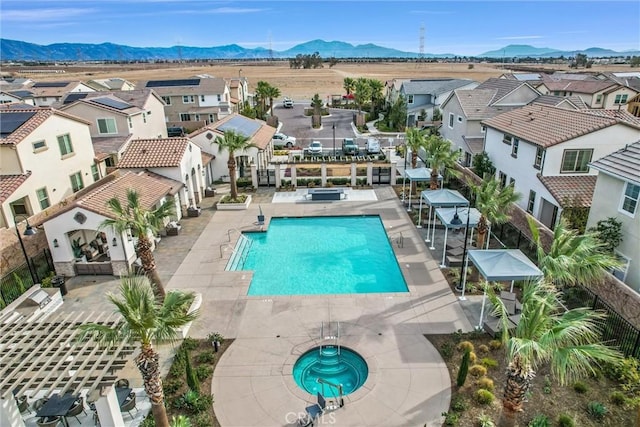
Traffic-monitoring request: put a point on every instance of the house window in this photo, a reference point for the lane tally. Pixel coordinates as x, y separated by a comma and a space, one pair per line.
620, 99
532, 201
188, 99
130, 122
574, 161
107, 126
144, 117
556, 93
39, 146
201, 98
630, 198
167, 100
459, 119
621, 272
514, 147
95, 172
409, 99
185, 117
43, 197
76, 181
451, 120
483, 129
599, 99
211, 118
19, 208
502, 177
64, 142
539, 158
512, 182
507, 139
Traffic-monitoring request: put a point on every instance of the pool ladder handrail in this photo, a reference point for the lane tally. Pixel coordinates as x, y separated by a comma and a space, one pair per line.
398, 239
234, 249
335, 337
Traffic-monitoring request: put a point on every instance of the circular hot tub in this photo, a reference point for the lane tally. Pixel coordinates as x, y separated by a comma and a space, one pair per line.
321, 367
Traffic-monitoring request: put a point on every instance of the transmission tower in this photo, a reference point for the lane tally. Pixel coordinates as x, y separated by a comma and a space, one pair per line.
421, 55
270, 47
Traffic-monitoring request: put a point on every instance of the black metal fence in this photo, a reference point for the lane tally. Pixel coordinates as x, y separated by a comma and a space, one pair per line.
17, 281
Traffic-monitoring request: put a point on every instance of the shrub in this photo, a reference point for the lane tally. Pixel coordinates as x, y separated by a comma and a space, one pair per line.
627, 373
203, 419
484, 397
189, 344
486, 383
580, 387
596, 410
148, 422
485, 421
193, 402
192, 379
539, 420
483, 349
203, 372
472, 357
565, 420
180, 421
489, 362
206, 357
464, 369
465, 345
495, 344
173, 385
618, 398
446, 350
478, 371
547, 385
458, 404
450, 418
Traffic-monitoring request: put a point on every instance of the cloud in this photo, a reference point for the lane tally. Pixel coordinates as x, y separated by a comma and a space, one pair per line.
42, 15
519, 37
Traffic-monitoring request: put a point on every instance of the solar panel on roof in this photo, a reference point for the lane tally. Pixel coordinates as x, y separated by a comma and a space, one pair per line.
242, 125
51, 84
113, 103
183, 82
74, 96
21, 93
9, 122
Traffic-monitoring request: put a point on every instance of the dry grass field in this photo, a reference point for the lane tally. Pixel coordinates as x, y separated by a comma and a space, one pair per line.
297, 84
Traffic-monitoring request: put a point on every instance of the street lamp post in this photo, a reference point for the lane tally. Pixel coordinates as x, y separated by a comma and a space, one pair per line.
463, 268
333, 126
29, 231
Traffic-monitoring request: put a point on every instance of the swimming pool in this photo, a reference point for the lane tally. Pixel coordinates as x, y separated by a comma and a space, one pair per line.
320, 255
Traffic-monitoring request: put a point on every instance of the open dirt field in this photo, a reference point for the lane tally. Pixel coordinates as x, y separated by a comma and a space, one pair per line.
297, 84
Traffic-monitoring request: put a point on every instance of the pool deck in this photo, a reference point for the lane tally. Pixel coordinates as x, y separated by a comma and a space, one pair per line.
408, 383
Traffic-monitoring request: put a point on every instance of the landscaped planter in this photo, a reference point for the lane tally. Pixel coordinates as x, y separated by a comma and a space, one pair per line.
234, 206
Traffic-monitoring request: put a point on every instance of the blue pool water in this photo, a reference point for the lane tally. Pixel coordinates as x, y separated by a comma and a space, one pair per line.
320, 255
335, 365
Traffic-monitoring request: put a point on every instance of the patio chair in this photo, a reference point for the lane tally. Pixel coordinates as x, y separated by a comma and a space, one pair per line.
23, 404
76, 409
122, 383
48, 421
39, 403
314, 411
129, 404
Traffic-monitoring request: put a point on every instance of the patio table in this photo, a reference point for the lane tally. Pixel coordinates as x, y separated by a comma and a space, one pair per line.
57, 406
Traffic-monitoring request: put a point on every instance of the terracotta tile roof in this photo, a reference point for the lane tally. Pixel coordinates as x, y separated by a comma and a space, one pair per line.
206, 158
546, 126
476, 103
553, 101
476, 145
623, 164
154, 153
578, 86
10, 183
503, 87
41, 114
176, 186
620, 115
571, 191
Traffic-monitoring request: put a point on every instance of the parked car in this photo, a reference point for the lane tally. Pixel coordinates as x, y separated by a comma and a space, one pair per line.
175, 131
315, 147
349, 146
287, 103
282, 140
372, 146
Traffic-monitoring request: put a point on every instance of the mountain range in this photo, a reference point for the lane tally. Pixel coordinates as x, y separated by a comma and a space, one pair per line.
15, 50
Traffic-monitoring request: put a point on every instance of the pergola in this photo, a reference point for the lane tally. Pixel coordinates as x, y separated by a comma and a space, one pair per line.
45, 357
417, 175
443, 198
497, 265
467, 217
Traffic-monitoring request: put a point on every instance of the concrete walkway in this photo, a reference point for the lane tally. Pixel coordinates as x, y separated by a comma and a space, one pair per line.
408, 383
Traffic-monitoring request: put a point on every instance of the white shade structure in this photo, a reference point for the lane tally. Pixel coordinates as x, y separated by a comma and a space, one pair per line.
443, 198
417, 175
502, 264
446, 217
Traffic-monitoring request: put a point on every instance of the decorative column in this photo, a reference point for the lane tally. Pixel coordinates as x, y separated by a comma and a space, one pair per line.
294, 176
354, 176
108, 409
254, 175
277, 176
393, 173
323, 173
369, 173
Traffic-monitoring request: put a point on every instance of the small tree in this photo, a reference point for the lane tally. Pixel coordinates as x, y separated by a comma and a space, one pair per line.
609, 232
192, 379
464, 368
482, 165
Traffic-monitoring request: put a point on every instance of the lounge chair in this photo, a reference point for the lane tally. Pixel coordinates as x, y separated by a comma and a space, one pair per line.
129, 404
314, 411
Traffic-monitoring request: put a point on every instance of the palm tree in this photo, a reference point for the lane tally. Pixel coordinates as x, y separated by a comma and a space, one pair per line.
440, 158
415, 141
547, 334
148, 322
494, 203
349, 85
376, 93
262, 89
572, 258
142, 223
233, 142
363, 92
272, 92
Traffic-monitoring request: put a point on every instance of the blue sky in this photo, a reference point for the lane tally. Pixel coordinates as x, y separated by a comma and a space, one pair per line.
464, 28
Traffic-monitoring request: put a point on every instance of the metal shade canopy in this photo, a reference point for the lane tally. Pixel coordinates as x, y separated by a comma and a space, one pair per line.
418, 175
443, 198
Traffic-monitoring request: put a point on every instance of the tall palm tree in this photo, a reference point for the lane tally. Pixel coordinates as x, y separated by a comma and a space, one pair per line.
376, 93
233, 142
148, 322
547, 334
272, 92
494, 203
440, 158
363, 92
572, 258
142, 223
262, 89
415, 141
349, 85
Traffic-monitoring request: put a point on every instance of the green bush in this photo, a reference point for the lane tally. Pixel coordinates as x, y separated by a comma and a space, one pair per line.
458, 404
206, 357
489, 362
565, 420
627, 373
495, 344
203, 419
180, 421
148, 421
580, 387
203, 372
596, 410
172, 386
539, 420
193, 402
450, 418
189, 344
478, 371
192, 379
485, 421
484, 397
446, 350
465, 345
486, 383
547, 385
618, 398
483, 349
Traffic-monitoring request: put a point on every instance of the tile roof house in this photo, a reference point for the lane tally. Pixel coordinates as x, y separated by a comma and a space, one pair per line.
604, 94
193, 102
260, 155
464, 109
52, 148
25, 96
545, 153
617, 195
178, 159
113, 83
48, 93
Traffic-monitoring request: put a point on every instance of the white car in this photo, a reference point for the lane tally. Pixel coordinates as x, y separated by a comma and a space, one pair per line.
372, 146
280, 139
315, 147
287, 103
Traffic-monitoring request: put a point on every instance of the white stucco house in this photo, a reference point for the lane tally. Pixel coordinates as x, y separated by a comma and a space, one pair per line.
545, 153
603, 94
46, 94
260, 135
23, 96
617, 195
45, 156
